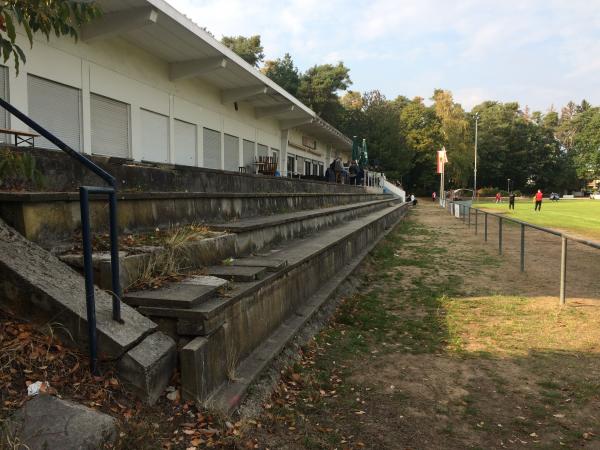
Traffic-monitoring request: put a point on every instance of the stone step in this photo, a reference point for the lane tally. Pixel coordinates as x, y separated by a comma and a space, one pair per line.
174, 295
237, 273
254, 234
272, 264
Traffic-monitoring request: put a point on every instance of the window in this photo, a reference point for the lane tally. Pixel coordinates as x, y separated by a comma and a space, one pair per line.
110, 126
248, 148
232, 152
56, 107
307, 167
212, 149
4, 116
185, 143
155, 136
291, 164
321, 169
262, 150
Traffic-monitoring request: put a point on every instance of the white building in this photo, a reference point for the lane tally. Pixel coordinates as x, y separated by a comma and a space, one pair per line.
146, 83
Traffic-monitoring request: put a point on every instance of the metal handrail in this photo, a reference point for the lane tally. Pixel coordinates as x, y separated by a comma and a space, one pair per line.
84, 192
564, 238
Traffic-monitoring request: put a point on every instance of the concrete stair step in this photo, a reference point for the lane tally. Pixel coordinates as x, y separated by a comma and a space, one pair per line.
184, 294
237, 273
272, 264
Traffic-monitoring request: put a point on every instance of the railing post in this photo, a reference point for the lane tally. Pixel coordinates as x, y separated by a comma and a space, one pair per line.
522, 247
89, 277
563, 271
476, 216
485, 220
114, 257
499, 235
469, 210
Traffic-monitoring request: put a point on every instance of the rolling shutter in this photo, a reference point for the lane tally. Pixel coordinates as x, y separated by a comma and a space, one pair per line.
110, 126
262, 150
155, 136
4, 116
57, 108
185, 143
232, 152
212, 149
248, 153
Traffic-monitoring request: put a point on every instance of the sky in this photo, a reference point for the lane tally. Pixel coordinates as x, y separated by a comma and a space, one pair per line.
540, 53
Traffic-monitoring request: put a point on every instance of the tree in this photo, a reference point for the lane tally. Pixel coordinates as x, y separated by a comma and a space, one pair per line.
60, 17
283, 72
586, 143
319, 87
248, 48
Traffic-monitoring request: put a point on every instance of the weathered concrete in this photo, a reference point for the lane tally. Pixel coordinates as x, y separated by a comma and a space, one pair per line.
64, 174
257, 310
148, 367
253, 234
174, 295
237, 273
272, 264
47, 422
35, 284
47, 218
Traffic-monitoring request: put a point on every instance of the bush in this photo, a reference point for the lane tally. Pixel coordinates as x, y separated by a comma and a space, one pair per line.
18, 171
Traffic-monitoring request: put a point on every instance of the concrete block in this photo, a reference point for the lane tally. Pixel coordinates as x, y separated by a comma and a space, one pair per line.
176, 295
147, 368
237, 273
204, 363
272, 264
47, 422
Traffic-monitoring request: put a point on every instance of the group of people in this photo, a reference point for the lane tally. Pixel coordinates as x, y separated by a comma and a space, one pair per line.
538, 197
337, 172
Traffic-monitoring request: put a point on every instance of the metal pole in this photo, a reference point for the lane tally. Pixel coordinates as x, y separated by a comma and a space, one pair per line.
469, 209
475, 166
563, 271
485, 215
89, 278
476, 215
114, 257
499, 235
522, 248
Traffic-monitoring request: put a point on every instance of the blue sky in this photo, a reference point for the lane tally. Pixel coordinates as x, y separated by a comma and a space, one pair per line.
537, 52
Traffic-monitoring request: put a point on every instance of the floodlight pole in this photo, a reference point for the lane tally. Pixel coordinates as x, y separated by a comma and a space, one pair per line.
475, 166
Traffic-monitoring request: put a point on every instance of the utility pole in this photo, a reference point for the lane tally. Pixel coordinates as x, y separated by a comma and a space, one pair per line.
475, 166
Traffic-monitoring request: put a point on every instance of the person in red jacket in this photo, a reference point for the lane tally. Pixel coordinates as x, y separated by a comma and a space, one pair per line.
538, 200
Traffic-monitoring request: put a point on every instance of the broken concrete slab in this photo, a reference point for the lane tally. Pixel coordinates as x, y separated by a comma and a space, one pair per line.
37, 285
237, 273
206, 280
47, 422
176, 295
272, 264
147, 368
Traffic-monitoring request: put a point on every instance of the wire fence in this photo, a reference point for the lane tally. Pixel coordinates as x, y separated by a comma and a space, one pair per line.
494, 228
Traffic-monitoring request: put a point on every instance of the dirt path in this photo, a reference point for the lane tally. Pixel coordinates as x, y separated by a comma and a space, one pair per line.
447, 345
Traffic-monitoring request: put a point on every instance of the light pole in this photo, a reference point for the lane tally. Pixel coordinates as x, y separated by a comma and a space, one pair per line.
508, 185
475, 159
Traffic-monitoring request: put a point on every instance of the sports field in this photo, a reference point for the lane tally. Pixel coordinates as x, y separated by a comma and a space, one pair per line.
579, 217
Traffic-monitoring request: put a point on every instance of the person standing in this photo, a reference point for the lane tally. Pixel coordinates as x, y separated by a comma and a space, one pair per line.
433, 196
498, 197
538, 200
511, 201
338, 167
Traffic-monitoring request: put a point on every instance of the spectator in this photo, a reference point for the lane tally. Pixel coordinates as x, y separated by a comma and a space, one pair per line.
498, 197
511, 201
433, 196
413, 199
538, 200
338, 168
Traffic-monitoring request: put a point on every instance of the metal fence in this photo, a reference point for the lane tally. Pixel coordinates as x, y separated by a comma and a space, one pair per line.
476, 218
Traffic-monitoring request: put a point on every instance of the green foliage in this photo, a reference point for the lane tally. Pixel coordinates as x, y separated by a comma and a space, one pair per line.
283, 72
319, 87
58, 17
586, 143
18, 171
248, 48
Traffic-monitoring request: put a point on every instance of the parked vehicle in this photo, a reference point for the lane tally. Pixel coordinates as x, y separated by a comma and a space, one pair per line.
554, 197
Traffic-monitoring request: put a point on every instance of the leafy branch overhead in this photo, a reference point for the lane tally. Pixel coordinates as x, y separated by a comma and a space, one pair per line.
57, 17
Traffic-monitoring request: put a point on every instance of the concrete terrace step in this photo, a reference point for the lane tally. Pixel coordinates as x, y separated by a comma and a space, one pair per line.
253, 234
237, 273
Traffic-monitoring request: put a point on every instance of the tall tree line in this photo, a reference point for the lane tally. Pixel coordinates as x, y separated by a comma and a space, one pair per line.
556, 151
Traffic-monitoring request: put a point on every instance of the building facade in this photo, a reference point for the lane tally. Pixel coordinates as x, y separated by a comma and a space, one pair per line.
145, 83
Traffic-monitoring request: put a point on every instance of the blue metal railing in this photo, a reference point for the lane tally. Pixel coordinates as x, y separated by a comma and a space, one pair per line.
84, 199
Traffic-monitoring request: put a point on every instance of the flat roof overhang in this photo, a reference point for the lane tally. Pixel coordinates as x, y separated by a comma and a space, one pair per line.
191, 52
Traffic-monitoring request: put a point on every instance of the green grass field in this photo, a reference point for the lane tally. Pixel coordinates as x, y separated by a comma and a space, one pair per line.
580, 217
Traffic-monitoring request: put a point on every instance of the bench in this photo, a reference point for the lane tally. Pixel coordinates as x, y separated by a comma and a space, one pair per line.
20, 136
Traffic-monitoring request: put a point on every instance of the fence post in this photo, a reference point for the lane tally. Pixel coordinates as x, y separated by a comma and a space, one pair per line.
469, 209
485, 226
522, 248
499, 235
563, 271
476, 214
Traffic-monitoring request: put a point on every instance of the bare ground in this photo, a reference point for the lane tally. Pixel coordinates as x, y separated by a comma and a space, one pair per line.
448, 345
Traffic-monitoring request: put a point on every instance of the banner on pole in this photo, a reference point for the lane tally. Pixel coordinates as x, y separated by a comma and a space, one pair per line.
442, 159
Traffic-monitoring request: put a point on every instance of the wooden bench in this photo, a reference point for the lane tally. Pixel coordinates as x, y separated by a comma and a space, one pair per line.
21, 137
